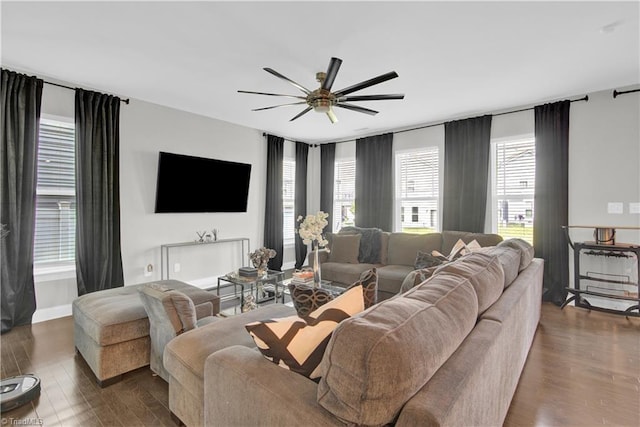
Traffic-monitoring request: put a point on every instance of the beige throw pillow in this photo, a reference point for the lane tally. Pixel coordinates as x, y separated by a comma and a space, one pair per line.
297, 343
345, 248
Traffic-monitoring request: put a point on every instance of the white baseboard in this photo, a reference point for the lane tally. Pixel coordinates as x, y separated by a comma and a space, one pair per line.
50, 313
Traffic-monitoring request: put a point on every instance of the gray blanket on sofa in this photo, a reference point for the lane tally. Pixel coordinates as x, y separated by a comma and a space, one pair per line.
370, 243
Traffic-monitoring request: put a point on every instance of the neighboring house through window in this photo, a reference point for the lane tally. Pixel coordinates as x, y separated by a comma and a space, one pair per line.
55, 234
344, 193
417, 189
513, 178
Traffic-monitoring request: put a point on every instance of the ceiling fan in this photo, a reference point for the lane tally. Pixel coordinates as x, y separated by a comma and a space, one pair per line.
322, 100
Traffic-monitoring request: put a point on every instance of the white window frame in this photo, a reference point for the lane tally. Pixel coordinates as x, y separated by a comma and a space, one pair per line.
431, 198
495, 197
58, 269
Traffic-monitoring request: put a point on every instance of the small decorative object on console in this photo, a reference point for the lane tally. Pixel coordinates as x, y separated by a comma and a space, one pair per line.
310, 231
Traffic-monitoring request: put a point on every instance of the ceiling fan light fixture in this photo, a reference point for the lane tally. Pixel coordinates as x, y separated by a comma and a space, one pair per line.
321, 105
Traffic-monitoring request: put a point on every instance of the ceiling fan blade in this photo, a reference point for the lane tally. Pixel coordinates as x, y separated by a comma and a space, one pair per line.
332, 72
370, 97
332, 116
305, 111
365, 84
280, 105
277, 74
271, 94
358, 109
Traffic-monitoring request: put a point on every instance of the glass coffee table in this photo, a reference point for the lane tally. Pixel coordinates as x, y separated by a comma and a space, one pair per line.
258, 284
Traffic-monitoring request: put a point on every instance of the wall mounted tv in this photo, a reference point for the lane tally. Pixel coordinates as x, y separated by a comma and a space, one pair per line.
189, 184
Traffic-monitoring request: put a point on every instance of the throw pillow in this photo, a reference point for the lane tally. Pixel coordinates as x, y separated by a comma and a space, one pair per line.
307, 298
369, 282
298, 344
345, 248
416, 277
426, 260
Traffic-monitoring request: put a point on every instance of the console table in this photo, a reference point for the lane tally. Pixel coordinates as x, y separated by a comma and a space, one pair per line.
165, 251
608, 281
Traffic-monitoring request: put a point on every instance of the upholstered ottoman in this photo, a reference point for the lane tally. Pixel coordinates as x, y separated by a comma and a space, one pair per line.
184, 358
111, 327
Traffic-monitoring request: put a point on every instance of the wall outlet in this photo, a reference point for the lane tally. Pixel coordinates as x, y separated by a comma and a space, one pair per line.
148, 270
634, 208
615, 207
176, 267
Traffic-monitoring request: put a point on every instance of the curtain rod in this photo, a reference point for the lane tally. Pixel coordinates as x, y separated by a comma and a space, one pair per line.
584, 98
126, 101
622, 92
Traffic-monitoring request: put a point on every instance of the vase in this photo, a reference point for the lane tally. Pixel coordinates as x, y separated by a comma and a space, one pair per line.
317, 277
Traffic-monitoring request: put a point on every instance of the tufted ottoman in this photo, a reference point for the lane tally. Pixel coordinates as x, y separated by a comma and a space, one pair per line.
111, 327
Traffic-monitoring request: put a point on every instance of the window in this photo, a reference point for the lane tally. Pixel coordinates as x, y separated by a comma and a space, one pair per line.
344, 194
55, 234
418, 188
288, 200
513, 177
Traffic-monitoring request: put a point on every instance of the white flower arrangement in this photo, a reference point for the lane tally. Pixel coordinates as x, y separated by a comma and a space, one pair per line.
311, 228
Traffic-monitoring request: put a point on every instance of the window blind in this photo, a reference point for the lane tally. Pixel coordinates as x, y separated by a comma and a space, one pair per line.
418, 189
344, 193
514, 168
55, 195
288, 199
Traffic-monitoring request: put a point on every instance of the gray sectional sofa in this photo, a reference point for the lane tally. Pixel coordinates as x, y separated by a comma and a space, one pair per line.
343, 264
448, 351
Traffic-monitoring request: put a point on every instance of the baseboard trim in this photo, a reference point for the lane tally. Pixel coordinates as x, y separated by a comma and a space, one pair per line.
51, 313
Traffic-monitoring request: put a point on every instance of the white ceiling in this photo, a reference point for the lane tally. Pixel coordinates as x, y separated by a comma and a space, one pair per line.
454, 59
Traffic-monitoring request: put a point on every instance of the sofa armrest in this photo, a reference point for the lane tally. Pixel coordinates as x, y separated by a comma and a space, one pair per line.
243, 388
204, 309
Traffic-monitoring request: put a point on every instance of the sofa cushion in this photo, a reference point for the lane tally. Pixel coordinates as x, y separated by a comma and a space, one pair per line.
345, 248
405, 340
403, 247
483, 271
526, 250
298, 343
307, 298
509, 259
342, 273
390, 277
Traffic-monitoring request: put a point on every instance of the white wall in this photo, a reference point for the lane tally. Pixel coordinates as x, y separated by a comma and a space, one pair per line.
604, 163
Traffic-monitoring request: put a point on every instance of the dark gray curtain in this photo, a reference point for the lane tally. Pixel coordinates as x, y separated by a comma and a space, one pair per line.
302, 154
374, 182
551, 202
21, 101
467, 147
98, 256
273, 215
327, 174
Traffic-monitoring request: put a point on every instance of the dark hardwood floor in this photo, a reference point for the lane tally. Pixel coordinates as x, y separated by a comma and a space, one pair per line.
583, 370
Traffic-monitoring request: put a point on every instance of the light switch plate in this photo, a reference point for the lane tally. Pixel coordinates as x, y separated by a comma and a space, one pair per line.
615, 207
634, 208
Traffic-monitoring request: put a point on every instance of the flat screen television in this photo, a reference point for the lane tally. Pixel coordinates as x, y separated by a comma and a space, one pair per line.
188, 184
